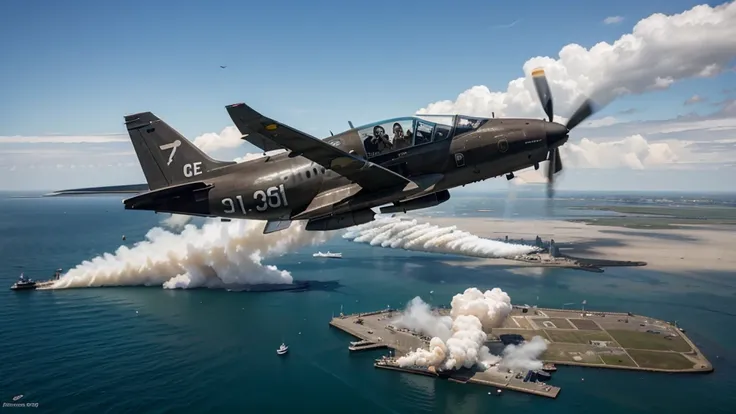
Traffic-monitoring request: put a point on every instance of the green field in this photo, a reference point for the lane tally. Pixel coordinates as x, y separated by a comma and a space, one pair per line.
650, 341
568, 352
622, 360
577, 337
585, 324
662, 360
560, 323
527, 334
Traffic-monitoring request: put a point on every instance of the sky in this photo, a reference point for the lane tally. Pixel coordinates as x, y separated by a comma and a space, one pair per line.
666, 71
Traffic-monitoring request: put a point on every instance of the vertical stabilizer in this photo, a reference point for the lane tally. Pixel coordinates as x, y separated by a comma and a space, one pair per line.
166, 157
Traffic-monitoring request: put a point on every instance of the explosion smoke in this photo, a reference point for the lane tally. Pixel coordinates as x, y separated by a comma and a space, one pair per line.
459, 340
215, 255
409, 235
176, 221
524, 356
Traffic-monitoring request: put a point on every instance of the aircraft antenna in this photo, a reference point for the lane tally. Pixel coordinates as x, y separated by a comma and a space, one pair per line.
351, 125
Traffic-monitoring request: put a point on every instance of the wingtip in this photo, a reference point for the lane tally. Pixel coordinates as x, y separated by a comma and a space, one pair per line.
234, 105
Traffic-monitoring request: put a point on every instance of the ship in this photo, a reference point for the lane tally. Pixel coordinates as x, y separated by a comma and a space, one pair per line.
328, 255
24, 284
30, 284
549, 367
283, 349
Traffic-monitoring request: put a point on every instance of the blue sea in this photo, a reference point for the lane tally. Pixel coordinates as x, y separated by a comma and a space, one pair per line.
155, 350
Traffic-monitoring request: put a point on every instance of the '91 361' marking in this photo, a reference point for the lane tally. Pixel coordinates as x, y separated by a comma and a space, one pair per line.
272, 197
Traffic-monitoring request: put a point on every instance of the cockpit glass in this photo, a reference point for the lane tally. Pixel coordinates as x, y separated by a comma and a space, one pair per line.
467, 124
387, 136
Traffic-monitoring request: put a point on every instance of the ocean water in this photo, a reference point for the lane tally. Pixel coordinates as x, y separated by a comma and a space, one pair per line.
127, 349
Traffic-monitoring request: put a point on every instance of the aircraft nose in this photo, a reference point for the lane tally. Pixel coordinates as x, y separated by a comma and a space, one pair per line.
555, 133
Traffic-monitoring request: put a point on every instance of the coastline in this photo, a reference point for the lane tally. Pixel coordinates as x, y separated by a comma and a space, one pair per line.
701, 248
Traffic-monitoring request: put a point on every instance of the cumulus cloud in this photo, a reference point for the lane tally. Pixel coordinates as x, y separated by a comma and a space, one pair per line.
694, 99
659, 51
613, 19
230, 137
631, 152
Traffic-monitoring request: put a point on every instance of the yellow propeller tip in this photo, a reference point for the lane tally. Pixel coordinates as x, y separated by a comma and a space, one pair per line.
538, 72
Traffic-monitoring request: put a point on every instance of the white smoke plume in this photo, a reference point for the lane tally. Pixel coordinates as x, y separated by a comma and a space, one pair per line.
410, 235
214, 255
524, 356
418, 317
176, 221
473, 313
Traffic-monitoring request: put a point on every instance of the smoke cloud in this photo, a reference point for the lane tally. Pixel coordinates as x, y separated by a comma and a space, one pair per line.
176, 221
410, 235
459, 340
214, 256
472, 313
418, 317
524, 356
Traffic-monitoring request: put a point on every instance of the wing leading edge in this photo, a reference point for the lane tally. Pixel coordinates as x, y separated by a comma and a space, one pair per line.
368, 175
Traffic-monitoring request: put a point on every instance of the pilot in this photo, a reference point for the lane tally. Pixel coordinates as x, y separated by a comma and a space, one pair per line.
380, 139
399, 140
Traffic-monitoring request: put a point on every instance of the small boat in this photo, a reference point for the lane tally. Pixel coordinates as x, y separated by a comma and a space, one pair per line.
24, 284
328, 255
549, 367
282, 349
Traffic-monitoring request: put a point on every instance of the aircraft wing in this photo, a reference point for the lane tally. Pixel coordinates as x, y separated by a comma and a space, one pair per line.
259, 140
368, 175
114, 189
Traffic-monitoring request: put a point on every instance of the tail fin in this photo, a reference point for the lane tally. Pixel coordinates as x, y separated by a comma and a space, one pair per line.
166, 157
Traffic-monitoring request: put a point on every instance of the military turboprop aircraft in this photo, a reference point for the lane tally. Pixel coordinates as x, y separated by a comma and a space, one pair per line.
409, 163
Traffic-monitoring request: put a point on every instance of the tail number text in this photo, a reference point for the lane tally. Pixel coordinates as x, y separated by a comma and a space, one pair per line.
273, 197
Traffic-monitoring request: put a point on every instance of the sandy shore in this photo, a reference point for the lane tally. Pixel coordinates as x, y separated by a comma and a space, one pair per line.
702, 248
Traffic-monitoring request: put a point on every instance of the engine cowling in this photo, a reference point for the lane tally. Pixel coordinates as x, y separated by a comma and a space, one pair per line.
341, 221
429, 200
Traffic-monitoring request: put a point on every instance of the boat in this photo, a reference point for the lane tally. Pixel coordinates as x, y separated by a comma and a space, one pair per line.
30, 284
542, 375
549, 367
24, 284
328, 255
283, 349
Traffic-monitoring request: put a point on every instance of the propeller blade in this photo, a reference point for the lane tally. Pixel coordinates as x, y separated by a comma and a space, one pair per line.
585, 110
542, 87
558, 161
551, 169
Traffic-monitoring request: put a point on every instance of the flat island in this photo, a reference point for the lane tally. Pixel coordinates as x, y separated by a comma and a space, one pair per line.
585, 338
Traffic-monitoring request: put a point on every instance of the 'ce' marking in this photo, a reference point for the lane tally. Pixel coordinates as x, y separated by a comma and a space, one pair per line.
192, 169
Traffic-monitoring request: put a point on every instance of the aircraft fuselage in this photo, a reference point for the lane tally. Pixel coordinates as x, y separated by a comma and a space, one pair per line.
281, 187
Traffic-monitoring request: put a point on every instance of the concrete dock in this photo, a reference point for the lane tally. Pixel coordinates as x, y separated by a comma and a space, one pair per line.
374, 330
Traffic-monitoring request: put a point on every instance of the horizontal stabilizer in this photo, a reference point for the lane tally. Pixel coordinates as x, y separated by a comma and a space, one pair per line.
273, 226
114, 189
368, 175
195, 190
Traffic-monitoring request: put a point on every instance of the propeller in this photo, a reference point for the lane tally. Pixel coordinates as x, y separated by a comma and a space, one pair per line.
556, 133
